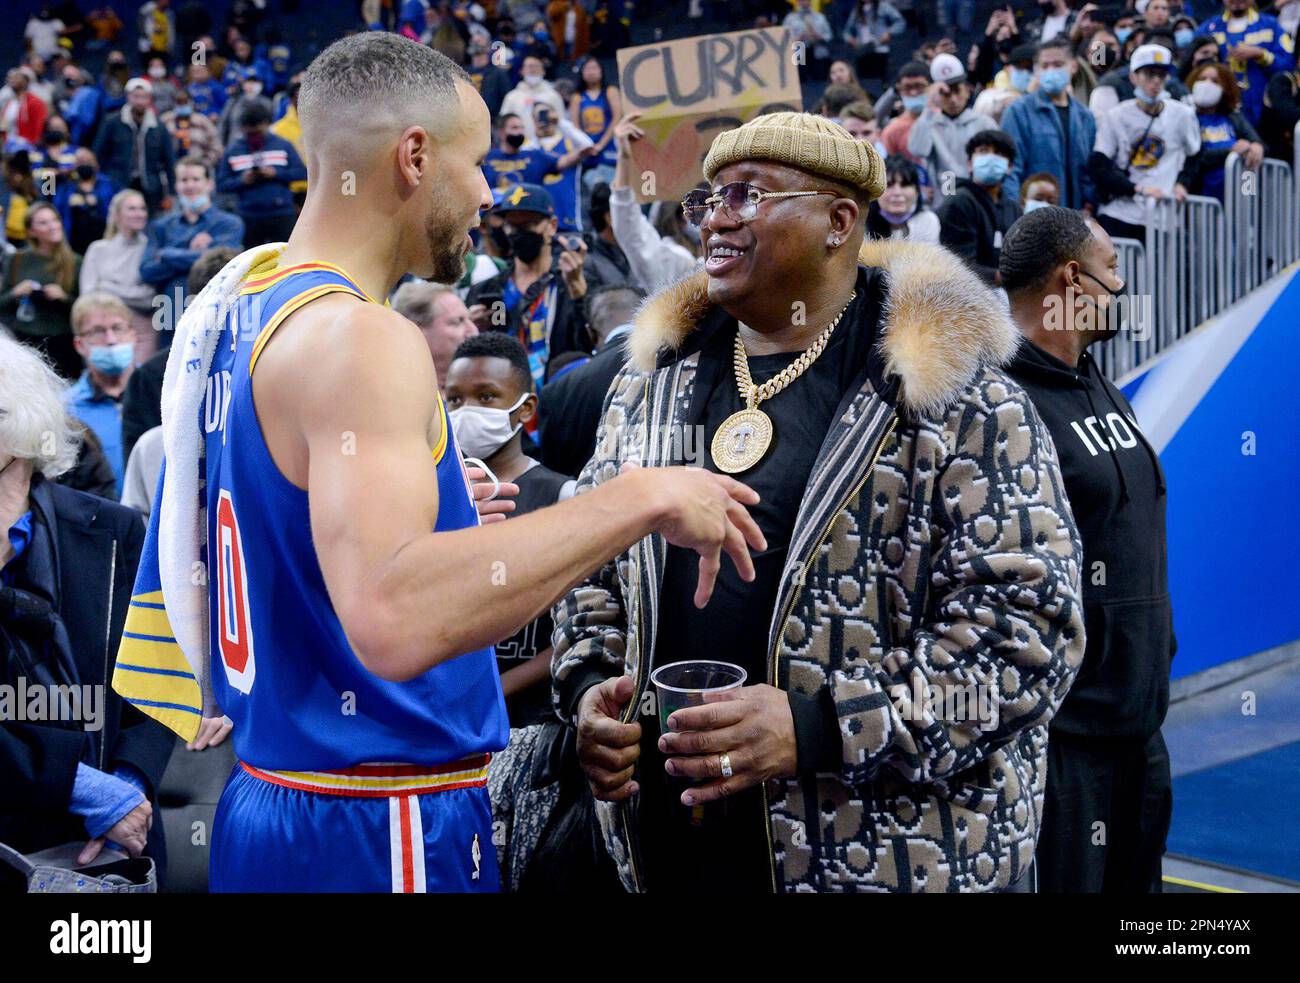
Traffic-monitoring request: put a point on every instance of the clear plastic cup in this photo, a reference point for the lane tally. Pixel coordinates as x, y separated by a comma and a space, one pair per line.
684, 684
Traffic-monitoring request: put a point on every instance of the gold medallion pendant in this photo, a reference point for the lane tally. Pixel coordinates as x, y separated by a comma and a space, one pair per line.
744, 437
742, 440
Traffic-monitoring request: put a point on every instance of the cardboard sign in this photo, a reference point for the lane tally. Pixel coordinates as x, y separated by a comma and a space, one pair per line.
689, 91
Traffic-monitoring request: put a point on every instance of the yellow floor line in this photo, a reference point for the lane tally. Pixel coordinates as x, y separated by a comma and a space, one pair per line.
1183, 882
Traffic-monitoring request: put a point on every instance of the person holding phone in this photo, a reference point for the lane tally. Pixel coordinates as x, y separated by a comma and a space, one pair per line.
557, 135
537, 298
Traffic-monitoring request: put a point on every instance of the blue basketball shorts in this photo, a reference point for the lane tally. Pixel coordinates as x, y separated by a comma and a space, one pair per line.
374, 827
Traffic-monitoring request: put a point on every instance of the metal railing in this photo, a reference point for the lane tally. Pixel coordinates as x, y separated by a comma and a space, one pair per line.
1202, 255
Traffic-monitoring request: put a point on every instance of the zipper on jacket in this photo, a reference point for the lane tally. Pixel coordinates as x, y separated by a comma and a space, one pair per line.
108, 639
794, 598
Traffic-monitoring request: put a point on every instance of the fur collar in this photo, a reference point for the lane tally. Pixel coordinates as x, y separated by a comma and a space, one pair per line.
942, 325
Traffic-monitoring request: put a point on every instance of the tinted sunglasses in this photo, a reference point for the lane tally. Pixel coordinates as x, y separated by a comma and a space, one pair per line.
740, 199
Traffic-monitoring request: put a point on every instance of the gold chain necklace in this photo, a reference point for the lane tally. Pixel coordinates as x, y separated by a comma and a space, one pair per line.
744, 437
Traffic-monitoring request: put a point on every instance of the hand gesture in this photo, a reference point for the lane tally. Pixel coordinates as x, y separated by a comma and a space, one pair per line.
607, 747
131, 832
212, 731
752, 726
500, 504
625, 131
705, 512
570, 263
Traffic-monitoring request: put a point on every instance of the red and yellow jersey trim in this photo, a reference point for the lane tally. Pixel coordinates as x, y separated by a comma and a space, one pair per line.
440, 448
304, 298
257, 281
382, 780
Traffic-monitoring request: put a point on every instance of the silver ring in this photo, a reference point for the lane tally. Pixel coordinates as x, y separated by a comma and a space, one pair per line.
724, 763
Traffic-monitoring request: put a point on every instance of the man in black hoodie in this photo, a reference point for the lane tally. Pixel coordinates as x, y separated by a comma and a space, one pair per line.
977, 214
1108, 798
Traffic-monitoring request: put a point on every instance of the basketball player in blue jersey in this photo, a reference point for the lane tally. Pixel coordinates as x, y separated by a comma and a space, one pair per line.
355, 598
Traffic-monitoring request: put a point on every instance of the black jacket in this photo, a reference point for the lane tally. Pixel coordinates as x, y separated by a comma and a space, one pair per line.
115, 149
972, 225
568, 324
1116, 489
81, 560
569, 410
142, 401
1281, 113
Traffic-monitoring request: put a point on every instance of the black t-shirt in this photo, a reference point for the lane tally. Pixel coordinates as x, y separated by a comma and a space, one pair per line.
538, 487
725, 849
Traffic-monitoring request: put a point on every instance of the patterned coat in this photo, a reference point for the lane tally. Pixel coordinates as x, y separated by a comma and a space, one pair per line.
934, 547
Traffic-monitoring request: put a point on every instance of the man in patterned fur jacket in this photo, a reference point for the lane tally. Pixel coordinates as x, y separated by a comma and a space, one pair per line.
914, 621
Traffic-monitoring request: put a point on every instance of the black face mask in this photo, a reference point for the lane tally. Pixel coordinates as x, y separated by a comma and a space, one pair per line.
527, 245
515, 140
85, 172
501, 240
55, 139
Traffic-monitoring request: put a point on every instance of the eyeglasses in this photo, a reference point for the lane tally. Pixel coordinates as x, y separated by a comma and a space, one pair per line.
740, 199
97, 336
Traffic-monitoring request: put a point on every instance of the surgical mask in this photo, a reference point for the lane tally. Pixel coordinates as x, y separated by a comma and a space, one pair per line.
914, 104
988, 169
881, 149
526, 245
1140, 95
532, 79
1122, 34
252, 89
1206, 93
1033, 204
1183, 36
112, 359
184, 112
1054, 80
481, 431
515, 140
157, 71
1021, 78
195, 204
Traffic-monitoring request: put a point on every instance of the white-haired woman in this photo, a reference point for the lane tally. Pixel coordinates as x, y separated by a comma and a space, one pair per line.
112, 265
67, 566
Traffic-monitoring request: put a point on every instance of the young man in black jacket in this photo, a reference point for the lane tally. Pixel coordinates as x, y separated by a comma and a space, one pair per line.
973, 219
1108, 800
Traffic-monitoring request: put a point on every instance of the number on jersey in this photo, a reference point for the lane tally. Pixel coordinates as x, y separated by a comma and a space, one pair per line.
235, 623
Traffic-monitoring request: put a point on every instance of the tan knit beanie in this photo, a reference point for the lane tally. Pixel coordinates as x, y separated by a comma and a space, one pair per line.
811, 143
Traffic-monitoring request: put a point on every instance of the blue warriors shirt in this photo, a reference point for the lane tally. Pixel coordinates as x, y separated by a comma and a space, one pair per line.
595, 117
564, 186
282, 668
503, 170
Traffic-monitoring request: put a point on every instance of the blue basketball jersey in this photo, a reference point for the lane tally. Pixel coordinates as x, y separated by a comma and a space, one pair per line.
282, 668
595, 117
